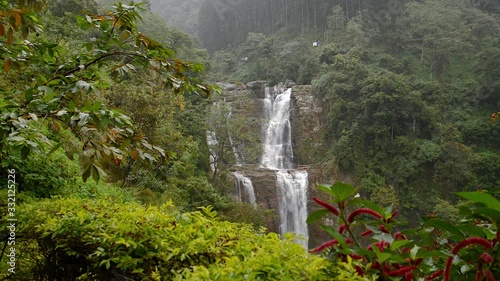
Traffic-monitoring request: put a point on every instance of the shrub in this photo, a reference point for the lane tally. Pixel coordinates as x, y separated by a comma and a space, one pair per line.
462, 251
78, 239
35, 177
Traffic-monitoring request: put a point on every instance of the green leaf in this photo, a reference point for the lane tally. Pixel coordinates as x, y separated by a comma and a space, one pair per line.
86, 174
197, 67
25, 152
398, 244
95, 173
444, 225
28, 95
106, 262
382, 257
97, 106
373, 206
490, 213
472, 230
430, 254
342, 191
481, 197
56, 147
336, 235
414, 251
71, 105
325, 189
49, 93
316, 215
16, 139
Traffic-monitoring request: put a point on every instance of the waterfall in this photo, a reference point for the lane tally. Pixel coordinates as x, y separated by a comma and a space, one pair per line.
278, 155
244, 184
212, 141
292, 198
277, 148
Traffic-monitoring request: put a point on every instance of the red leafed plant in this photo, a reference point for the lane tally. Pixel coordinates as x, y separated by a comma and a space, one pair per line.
437, 250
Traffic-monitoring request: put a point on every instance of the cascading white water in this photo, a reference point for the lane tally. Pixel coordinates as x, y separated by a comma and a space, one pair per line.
212, 138
277, 148
244, 184
292, 198
212, 141
278, 155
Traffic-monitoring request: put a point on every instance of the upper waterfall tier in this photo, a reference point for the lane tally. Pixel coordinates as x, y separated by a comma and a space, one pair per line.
277, 147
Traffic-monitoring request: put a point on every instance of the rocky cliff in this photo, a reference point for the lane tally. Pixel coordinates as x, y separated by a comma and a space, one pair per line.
306, 119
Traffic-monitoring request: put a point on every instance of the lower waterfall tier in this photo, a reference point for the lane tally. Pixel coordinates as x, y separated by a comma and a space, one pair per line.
292, 188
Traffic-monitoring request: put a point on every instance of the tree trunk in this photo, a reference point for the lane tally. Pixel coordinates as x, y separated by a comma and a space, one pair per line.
347, 9
422, 52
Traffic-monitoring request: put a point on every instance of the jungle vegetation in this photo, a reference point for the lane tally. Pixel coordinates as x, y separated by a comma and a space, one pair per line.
103, 123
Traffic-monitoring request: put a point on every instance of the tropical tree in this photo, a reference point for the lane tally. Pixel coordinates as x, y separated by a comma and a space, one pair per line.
51, 83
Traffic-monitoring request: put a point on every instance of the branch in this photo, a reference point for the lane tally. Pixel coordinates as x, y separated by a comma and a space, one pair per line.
79, 68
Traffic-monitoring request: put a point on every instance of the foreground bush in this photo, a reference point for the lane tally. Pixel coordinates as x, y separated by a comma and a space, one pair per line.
467, 250
77, 239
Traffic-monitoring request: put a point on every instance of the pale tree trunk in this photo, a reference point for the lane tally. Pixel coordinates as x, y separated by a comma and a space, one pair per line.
347, 9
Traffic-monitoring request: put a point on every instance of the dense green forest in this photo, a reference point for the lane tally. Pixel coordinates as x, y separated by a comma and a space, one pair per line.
410, 86
103, 137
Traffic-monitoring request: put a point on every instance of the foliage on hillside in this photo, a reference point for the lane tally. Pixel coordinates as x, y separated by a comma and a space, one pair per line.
408, 88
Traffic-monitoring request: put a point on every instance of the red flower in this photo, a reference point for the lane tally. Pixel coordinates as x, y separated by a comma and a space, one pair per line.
366, 233
342, 227
392, 216
327, 206
486, 258
383, 229
323, 246
470, 241
402, 271
359, 270
357, 257
489, 276
447, 269
435, 275
381, 245
360, 211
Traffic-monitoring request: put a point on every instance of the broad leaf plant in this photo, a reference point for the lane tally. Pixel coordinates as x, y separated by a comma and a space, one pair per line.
369, 236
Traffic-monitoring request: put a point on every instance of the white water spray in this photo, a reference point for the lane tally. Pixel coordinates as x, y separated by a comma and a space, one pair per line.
292, 196
244, 185
277, 148
278, 155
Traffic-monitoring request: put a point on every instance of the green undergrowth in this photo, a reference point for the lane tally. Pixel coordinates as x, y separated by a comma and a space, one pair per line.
101, 239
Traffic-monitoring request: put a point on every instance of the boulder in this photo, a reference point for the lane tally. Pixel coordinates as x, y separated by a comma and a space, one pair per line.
256, 85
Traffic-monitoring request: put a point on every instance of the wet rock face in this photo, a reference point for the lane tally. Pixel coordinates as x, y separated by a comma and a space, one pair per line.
246, 107
264, 183
266, 192
307, 120
256, 85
